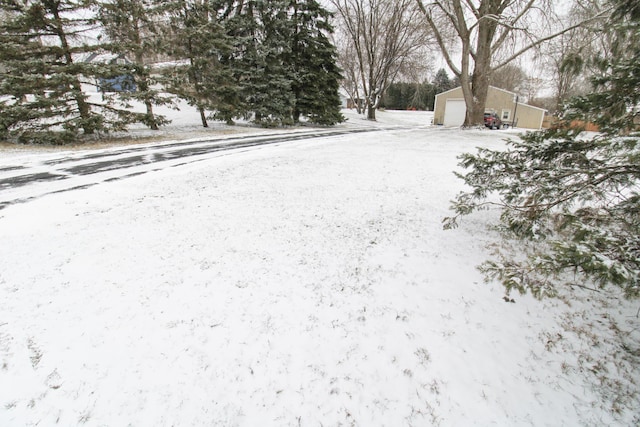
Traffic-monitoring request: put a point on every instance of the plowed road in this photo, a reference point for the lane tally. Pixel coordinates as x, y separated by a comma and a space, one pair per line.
20, 183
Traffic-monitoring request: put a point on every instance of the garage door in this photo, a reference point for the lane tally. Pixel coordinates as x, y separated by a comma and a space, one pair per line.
454, 112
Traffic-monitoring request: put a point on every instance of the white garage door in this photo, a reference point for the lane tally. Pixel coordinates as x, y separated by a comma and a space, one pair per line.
454, 112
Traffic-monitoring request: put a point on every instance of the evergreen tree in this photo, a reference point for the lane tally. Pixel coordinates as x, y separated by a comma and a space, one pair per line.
236, 61
281, 62
269, 88
198, 37
574, 199
403, 96
398, 96
426, 94
392, 98
43, 73
442, 82
261, 89
316, 77
133, 28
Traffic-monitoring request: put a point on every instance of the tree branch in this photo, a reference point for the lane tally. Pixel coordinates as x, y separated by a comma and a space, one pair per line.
511, 26
551, 36
439, 40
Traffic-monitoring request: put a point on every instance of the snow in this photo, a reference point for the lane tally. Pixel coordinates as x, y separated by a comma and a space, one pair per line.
304, 283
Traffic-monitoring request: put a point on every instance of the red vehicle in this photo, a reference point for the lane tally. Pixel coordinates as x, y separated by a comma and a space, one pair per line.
492, 121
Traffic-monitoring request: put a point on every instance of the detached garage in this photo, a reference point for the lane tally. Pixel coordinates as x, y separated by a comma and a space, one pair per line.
450, 109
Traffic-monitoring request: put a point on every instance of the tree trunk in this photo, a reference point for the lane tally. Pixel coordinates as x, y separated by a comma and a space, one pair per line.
151, 120
479, 90
81, 102
143, 86
482, 69
371, 112
203, 116
193, 77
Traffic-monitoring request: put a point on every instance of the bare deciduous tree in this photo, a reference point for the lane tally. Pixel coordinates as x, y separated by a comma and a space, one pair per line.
377, 39
351, 76
567, 57
511, 77
489, 34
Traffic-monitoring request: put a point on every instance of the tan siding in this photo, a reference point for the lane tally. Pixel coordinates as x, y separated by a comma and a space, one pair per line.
529, 117
441, 101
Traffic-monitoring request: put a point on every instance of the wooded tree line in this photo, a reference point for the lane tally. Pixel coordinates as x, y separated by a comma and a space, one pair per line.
409, 96
269, 61
417, 96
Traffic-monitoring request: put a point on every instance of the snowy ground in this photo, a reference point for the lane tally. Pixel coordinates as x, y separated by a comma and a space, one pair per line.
308, 283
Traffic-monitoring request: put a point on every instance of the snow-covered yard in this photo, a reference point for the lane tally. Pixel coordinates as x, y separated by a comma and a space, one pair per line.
308, 283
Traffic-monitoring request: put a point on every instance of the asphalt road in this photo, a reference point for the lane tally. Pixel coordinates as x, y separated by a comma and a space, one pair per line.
19, 184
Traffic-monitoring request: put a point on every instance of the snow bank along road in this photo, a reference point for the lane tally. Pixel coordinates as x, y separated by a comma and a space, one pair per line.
20, 183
